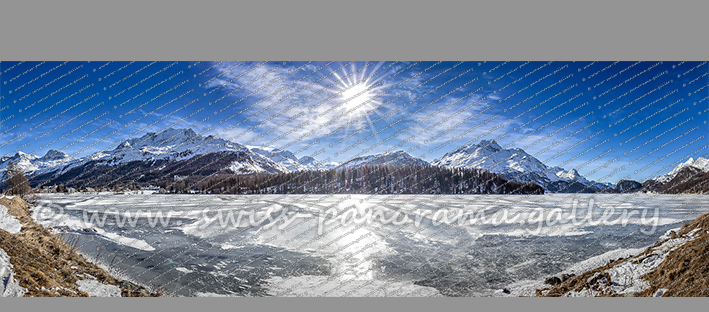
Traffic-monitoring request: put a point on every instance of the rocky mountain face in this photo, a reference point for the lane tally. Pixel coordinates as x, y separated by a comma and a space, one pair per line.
627, 186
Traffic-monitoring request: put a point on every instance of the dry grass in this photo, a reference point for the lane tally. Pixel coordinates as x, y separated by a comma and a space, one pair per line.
40, 259
684, 272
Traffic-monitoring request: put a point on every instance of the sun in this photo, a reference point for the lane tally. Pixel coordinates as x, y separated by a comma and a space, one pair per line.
353, 96
354, 90
359, 89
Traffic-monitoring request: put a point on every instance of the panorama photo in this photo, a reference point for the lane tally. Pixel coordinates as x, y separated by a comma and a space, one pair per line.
354, 179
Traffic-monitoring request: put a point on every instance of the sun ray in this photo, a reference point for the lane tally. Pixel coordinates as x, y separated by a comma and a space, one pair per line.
339, 78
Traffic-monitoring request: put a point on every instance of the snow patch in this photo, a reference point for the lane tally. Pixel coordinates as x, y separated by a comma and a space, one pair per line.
96, 289
9, 287
8, 222
602, 259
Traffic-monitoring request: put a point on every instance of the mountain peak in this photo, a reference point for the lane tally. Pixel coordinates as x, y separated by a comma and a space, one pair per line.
172, 132
124, 145
513, 164
473, 147
55, 155
689, 162
22, 155
398, 157
399, 153
491, 143
167, 137
700, 163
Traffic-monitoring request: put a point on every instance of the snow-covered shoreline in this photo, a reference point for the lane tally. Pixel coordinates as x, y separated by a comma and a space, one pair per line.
623, 272
528, 288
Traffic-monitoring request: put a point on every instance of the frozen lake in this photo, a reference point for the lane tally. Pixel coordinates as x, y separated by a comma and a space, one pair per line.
357, 245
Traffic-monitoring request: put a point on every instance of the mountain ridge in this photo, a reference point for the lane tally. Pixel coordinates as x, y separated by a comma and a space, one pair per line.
397, 157
158, 152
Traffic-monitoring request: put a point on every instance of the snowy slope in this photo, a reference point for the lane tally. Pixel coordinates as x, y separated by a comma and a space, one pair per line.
385, 158
513, 163
287, 159
701, 163
330, 165
314, 164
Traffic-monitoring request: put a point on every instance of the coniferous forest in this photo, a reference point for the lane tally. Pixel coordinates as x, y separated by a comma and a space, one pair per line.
378, 179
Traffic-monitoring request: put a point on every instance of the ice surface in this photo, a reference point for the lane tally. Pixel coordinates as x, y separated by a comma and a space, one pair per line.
201, 250
76, 225
316, 286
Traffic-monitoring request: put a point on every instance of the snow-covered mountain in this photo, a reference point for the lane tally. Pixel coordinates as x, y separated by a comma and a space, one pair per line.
513, 164
700, 163
385, 158
312, 163
180, 144
163, 148
32, 164
288, 160
182, 151
330, 165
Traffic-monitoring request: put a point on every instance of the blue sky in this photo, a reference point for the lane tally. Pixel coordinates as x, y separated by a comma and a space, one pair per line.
610, 120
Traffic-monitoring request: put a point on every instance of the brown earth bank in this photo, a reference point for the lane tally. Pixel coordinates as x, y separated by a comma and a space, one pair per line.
49, 266
684, 272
